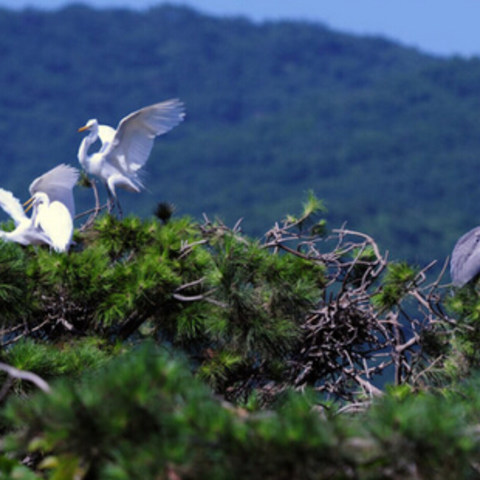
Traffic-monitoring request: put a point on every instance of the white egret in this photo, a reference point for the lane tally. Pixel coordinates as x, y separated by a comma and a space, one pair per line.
125, 151
25, 233
53, 207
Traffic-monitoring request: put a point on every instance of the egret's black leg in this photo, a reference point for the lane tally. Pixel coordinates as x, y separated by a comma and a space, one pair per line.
119, 209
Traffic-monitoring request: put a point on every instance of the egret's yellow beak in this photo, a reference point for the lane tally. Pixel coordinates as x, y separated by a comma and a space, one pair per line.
29, 202
82, 129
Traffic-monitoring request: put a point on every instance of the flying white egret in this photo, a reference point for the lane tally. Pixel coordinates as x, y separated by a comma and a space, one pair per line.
53, 207
465, 260
125, 151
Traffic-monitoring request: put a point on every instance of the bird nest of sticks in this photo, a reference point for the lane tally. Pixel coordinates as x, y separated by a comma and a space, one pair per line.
352, 344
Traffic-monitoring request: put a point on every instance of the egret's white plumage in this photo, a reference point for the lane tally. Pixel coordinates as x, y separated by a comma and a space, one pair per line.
11, 205
25, 233
53, 210
53, 219
125, 151
58, 185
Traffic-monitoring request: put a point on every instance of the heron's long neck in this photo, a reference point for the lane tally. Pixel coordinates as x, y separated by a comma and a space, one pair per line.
90, 139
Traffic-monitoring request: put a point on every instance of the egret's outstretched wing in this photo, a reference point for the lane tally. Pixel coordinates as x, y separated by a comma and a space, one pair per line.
12, 206
62, 177
134, 137
465, 261
58, 184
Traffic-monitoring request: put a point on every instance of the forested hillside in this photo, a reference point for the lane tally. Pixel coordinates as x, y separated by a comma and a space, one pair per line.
387, 136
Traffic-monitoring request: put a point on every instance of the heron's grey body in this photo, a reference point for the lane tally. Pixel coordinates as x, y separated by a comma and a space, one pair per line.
465, 261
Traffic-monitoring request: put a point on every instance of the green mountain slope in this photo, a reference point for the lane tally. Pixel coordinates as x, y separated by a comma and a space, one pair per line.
385, 135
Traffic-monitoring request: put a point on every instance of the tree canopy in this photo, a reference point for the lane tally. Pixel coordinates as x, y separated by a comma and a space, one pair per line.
171, 348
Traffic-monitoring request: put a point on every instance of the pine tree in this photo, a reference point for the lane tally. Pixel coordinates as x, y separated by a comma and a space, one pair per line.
178, 349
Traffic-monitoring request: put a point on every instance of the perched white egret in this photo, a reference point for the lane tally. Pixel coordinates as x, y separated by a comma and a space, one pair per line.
25, 233
125, 151
53, 207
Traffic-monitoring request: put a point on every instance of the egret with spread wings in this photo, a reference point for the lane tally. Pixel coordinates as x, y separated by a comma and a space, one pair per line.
25, 232
125, 151
53, 210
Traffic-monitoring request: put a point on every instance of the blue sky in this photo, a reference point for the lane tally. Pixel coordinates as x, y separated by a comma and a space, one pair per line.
443, 27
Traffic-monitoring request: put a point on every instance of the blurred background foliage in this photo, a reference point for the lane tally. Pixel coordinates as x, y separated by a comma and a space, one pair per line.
386, 135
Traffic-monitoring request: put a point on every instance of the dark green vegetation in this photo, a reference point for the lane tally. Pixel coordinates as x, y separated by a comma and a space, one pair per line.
182, 350
387, 136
